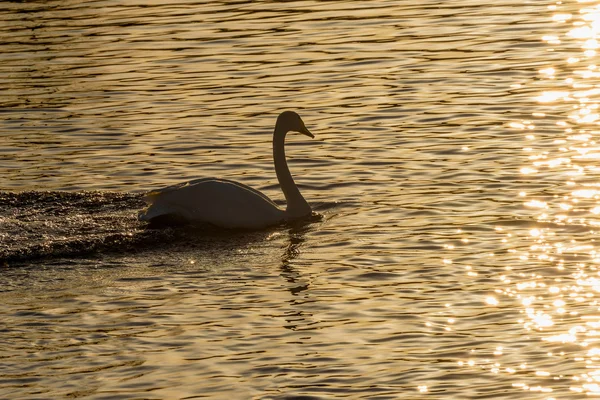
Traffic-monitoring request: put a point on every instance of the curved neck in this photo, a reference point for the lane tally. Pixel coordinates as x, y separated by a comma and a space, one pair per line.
296, 205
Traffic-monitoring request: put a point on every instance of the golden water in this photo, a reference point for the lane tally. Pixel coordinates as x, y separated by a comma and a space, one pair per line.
455, 167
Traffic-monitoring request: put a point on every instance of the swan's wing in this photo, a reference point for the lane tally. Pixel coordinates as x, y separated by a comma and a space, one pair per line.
154, 194
150, 196
218, 201
245, 187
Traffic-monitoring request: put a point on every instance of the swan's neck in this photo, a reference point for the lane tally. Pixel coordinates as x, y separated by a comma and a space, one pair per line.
296, 205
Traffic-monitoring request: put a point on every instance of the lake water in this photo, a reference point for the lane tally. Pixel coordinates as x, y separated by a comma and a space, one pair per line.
454, 170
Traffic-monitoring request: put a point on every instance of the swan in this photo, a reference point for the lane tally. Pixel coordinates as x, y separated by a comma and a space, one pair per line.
229, 204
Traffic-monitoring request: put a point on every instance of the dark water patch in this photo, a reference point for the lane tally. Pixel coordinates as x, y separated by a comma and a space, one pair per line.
84, 200
36, 225
377, 276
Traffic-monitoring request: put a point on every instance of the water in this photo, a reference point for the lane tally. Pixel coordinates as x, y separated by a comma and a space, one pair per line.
454, 172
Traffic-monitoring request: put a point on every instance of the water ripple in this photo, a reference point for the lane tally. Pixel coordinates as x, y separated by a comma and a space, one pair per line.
453, 169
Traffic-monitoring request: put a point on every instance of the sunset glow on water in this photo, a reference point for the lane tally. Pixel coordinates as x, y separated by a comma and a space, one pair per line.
454, 173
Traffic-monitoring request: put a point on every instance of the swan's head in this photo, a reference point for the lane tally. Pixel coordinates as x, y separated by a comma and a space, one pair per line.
291, 121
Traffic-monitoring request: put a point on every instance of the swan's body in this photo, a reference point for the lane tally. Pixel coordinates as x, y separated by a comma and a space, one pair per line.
219, 202
230, 204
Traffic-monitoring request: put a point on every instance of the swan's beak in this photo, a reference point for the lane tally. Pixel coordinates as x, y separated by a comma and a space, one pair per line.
306, 132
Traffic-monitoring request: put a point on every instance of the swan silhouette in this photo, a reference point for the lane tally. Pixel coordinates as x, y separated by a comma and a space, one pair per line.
229, 204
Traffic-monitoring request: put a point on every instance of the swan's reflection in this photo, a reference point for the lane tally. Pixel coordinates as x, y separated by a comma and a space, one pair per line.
296, 238
296, 318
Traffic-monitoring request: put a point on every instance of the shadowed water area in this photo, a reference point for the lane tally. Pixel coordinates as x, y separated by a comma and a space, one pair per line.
454, 174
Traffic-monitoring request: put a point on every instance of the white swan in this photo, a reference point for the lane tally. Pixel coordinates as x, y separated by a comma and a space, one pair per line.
230, 204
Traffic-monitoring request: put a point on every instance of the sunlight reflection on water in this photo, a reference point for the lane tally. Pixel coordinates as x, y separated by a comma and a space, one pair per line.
560, 299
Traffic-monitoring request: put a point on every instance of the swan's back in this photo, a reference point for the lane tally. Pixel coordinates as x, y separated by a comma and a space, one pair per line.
219, 202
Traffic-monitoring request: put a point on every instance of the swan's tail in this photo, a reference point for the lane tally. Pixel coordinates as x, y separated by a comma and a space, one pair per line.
150, 197
154, 208
159, 212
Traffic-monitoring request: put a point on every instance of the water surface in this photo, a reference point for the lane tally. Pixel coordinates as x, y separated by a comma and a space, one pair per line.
454, 171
